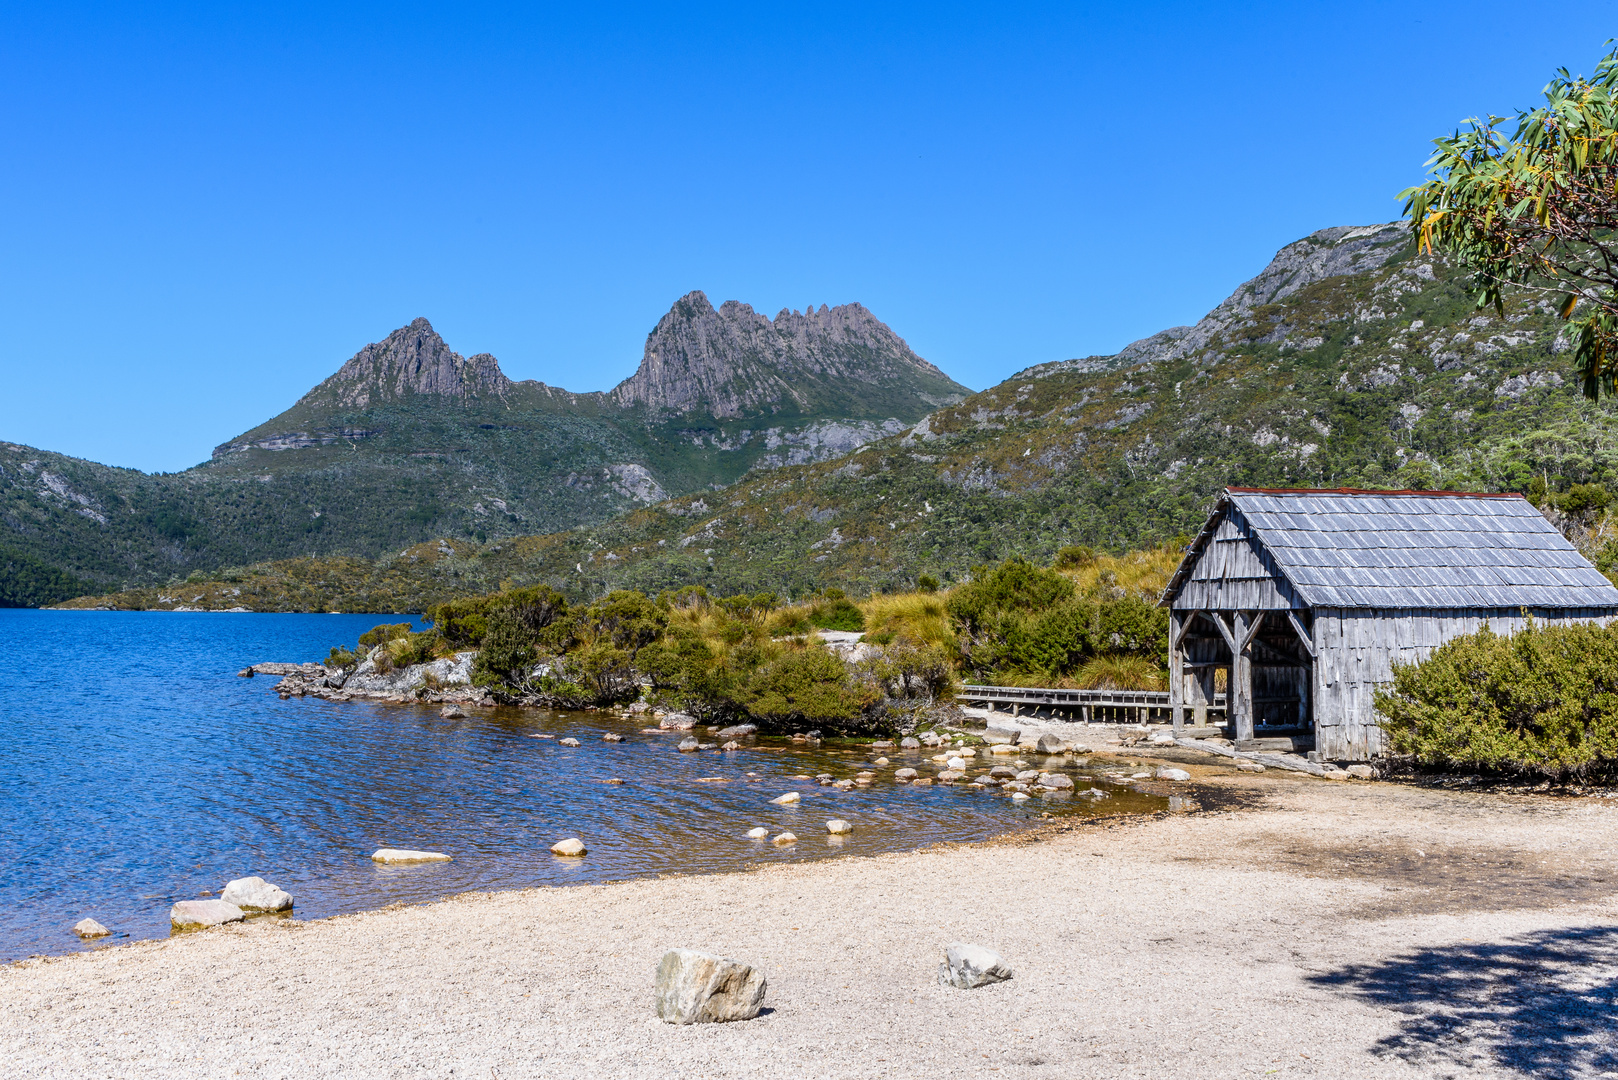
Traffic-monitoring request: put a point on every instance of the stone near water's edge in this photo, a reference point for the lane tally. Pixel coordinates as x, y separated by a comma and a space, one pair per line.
199, 914
689, 745
732, 745
837, 827
967, 967
256, 894
89, 928
567, 742
452, 712
572, 846
910, 742
1019, 796
677, 722
784, 838
786, 800
904, 774
758, 833
737, 731
612, 736
405, 855
1055, 782
1166, 773
695, 987
1050, 744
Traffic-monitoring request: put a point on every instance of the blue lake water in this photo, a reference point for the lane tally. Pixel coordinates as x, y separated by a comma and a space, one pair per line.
137, 769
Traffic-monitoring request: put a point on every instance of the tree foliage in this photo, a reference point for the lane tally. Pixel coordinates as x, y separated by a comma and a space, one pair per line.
1536, 210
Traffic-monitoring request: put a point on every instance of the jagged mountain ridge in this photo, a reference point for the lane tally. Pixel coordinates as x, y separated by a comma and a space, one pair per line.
410, 439
1349, 361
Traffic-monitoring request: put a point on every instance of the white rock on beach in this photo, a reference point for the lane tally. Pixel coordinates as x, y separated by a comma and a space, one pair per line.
571, 846
837, 827
970, 966
757, 834
197, 914
701, 988
1166, 773
786, 800
256, 894
401, 855
89, 928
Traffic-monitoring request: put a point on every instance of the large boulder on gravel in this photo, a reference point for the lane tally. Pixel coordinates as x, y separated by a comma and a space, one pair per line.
197, 914
970, 966
701, 988
256, 894
1050, 744
1166, 773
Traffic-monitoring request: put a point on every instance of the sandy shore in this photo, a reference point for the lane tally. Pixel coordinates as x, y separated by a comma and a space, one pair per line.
1323, 929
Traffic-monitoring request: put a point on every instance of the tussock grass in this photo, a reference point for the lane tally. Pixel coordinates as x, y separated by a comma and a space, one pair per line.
916, 616
1142, 573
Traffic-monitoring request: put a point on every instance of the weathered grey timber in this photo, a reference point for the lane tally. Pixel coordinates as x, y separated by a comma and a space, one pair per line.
1305, 600
1090, 706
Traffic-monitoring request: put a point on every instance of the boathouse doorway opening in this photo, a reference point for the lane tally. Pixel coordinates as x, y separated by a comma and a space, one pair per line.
1257, 661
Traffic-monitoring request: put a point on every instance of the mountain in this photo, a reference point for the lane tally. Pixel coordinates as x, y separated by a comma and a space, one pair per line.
410, 440
1349, 361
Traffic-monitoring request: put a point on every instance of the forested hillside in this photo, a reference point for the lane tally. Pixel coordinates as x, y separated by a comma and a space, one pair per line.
1349, 362
410, 440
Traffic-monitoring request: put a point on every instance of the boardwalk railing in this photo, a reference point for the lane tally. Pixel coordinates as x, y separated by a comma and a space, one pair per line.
1090, 706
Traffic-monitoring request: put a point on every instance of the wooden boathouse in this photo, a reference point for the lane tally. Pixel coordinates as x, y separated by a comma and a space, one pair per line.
1301, 601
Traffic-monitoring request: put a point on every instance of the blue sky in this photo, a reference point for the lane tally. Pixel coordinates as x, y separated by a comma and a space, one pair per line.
204, 211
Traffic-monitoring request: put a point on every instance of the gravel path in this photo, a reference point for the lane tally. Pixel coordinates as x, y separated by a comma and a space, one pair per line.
1326, 929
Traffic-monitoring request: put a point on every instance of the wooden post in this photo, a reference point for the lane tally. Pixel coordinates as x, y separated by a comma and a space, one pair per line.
1240, 692
1177, 622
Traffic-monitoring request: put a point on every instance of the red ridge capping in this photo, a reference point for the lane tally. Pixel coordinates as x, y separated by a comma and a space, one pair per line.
1375, 491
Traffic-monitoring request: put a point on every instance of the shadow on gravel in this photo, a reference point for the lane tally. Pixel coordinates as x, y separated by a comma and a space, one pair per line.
1544, 1005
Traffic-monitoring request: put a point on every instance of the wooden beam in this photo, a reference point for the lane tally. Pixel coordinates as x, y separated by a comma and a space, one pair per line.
1224, 631
1185, 620
1252, 629
1297, 628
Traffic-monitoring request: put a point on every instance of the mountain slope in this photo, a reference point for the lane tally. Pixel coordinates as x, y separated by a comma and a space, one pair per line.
1348, 361
409, 439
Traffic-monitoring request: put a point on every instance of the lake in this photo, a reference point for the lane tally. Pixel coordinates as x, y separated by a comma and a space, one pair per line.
137, 769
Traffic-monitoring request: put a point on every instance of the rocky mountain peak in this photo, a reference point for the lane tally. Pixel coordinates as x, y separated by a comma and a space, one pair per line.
412, 360
733, 361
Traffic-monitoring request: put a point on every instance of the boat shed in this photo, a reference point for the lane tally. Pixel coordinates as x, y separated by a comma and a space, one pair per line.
1301, 601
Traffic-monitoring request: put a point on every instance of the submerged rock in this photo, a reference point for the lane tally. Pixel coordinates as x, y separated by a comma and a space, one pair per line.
612, 736
452, 712
904, 774
406, 855
786, 800
568, 742
256, 894
700, 988
758, 833
970, 966
784, 838
199, 914
689, 745
838, 827
89, 928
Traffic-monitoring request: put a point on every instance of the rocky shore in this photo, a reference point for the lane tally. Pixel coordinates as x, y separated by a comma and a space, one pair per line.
448, 681
1307, 929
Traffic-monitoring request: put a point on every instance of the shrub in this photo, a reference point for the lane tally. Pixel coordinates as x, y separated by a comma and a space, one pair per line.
908, 670
1117, 671
927, 583
1073, 556
836, 613
1542, 702
386, 632
790, 622
805, 685
1014, 586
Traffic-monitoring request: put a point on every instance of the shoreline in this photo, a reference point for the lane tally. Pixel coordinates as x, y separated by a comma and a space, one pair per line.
1221, 943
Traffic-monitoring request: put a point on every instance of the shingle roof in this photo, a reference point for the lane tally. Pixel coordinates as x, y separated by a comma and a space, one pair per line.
1412, 550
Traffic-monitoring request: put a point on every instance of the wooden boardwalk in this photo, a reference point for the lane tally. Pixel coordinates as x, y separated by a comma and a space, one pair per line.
1088, 706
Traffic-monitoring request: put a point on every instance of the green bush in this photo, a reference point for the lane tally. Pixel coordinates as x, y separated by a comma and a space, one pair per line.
1073, 557
927, 583
1542, 702
386, 632
836, 612
804, 685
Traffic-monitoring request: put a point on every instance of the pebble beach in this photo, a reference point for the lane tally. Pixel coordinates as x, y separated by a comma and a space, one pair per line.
1298, 931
